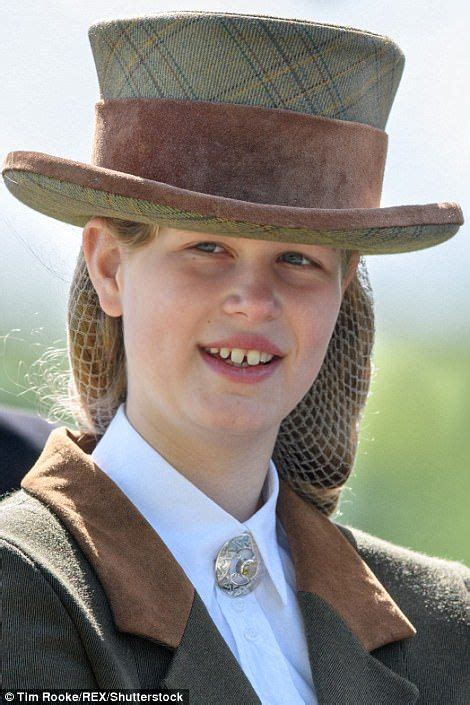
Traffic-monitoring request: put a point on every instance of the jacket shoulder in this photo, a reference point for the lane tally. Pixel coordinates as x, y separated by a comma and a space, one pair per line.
433, 593
427, 588
49, 583
29, 527
32, 527
39, 629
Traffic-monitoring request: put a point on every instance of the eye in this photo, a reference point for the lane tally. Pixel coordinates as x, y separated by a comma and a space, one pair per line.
300, 255
195, 247
295, 254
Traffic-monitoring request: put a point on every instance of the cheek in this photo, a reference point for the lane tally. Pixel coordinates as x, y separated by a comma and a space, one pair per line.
318, 323
159, 320
146, 323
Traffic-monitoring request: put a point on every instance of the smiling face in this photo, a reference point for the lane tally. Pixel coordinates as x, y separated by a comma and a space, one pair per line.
184, 290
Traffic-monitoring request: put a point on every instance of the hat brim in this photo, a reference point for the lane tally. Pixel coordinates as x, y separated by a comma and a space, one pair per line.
74, 192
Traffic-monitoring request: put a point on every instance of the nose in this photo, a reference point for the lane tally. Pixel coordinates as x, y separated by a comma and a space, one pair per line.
253, 295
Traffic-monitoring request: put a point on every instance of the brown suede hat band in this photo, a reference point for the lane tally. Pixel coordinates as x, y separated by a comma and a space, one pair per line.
245, 152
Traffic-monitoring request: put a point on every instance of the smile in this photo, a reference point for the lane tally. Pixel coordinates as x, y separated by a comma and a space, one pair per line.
240, 372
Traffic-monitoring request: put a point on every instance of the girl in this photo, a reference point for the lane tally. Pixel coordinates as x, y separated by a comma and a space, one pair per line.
220, 330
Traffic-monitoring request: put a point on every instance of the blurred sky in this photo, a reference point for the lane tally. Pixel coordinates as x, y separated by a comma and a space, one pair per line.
49, 88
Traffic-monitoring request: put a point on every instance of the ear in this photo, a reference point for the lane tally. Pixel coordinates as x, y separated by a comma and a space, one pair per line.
103, 257
352, 266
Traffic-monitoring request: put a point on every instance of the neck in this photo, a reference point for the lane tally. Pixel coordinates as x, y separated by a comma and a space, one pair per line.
228, 469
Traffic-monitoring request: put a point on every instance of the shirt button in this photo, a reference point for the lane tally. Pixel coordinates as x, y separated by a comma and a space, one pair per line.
251, 634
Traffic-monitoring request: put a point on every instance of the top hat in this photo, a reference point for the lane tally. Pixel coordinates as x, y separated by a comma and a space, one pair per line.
245, 125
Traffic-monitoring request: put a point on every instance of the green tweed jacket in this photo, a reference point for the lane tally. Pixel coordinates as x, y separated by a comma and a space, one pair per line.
92, 598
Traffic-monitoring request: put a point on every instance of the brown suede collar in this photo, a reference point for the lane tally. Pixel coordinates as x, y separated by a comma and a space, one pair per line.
148, 591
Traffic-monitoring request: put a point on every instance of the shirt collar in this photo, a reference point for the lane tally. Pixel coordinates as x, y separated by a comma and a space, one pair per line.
194, 527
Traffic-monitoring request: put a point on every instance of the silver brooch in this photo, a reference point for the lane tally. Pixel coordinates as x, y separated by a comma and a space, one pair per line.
238, 565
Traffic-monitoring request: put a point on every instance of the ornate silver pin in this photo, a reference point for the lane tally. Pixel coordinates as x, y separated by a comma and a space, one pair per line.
238, 565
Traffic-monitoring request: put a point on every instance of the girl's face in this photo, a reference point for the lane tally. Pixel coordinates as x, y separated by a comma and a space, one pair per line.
186, 290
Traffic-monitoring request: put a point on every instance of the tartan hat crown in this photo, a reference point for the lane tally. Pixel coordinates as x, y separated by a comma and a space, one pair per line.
325, 70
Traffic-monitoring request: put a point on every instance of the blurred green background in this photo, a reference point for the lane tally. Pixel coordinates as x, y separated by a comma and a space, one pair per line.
410, 484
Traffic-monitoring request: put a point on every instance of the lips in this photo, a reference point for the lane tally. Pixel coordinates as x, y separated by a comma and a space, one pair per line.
245, 341
219, 357
228, 359
246, 375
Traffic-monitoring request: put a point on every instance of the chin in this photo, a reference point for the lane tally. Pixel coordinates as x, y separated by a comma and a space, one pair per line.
236, 417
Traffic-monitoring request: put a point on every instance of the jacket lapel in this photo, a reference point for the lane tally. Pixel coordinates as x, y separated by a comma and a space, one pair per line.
346, 610
205, 665
342, 670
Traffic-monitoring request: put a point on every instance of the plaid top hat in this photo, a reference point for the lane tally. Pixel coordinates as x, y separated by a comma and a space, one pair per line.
246, 125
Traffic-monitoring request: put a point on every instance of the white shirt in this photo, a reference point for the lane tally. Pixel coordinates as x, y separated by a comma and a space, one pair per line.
264, 629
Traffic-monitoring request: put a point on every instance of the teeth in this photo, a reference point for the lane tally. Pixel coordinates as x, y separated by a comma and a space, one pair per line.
253, 357
237, 355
